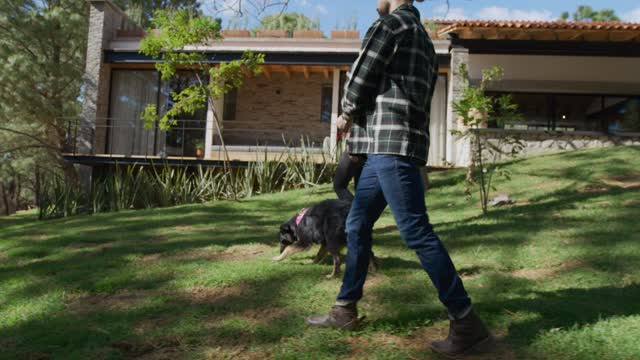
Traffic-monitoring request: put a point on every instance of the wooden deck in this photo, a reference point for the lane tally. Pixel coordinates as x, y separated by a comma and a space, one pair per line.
238, 157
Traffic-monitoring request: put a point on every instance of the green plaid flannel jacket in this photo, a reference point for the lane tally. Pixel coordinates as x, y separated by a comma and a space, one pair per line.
389, 88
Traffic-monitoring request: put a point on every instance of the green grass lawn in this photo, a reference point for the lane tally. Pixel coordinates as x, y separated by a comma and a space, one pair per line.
555, 276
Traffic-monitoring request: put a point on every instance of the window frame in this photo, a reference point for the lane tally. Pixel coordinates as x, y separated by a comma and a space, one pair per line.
553, 108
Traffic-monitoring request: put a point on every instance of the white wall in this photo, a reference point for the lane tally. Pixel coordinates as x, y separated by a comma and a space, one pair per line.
438, 126
580, 74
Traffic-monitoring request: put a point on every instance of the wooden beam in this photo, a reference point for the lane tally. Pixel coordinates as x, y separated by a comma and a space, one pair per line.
305, 70
490, 34
267, 72
325, 70
623, 36
247, 73
287, 72
568, 35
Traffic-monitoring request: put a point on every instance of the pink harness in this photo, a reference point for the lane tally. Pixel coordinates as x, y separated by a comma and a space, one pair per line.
300, 216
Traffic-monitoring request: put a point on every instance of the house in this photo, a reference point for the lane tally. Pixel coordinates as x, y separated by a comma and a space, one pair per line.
577, 85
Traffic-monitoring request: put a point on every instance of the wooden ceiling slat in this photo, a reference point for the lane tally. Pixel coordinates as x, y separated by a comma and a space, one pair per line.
544, 31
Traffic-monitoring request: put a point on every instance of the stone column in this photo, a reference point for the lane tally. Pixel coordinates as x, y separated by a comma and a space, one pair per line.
458, 150
104, 20
335, 107
211, 132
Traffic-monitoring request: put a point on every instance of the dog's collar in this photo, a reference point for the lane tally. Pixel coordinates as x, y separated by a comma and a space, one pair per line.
300, 216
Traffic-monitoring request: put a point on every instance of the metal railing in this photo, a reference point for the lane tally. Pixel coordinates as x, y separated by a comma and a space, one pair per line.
111, 137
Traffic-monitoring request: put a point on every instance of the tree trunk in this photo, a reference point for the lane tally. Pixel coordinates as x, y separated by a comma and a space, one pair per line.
5, 201
18, 192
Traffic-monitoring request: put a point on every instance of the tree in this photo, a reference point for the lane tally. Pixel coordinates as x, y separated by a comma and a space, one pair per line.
586, 13
245, 8
141, 11
176, 30
42, 48
289, 22
474, 109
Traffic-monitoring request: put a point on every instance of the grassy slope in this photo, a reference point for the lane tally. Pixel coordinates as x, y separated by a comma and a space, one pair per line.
556, 276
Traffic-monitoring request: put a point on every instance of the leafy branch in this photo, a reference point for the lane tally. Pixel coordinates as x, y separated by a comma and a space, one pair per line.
175, 32
475, 108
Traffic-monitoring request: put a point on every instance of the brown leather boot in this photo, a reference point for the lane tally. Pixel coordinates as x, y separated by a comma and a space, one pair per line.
465, 335
340, 317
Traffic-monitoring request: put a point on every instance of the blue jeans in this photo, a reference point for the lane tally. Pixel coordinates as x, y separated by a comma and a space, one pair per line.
397, 181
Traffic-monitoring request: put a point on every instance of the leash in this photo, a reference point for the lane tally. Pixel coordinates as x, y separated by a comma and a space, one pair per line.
301, 214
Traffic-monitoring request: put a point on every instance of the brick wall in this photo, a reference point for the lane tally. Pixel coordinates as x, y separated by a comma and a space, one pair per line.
105, 19
266, 109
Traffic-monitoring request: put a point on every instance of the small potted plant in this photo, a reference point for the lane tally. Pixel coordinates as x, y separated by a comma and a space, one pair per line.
308, 30
236, 30
348, 31
199, 145
274, 27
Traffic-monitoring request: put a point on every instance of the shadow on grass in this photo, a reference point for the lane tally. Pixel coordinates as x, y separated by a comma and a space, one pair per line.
560, 309
159, 320
174, 319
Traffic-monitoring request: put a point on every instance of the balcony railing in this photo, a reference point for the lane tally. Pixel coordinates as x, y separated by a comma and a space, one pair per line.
118, 138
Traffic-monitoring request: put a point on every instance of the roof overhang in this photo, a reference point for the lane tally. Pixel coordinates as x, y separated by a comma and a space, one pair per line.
306, 52
269, 45
615, 32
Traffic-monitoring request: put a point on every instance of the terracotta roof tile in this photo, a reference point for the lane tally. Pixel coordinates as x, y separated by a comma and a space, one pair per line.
551, 25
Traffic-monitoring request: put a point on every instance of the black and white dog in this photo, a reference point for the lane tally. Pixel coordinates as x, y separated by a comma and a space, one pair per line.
322, 224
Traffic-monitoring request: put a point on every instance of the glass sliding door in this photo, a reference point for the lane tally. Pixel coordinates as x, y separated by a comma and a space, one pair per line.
623, 114
131, 92
188, 135
574, 112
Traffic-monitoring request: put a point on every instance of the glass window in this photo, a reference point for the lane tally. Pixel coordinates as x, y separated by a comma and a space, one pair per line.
131, 92
623, 114
535, 110
563, 112
230, 105
327, 104
578, 113
187, 135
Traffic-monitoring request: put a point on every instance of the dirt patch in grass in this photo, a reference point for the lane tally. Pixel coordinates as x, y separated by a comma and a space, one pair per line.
374, 279
97, 247
470, 272
205, 295
130, 299
185, 228
168, 347
418, 342
150, 325
264, 315
629, 181
540, 273
233, 253
159, 239
595, 189
151, 257
547, 184
361, 347
3, 256
119, 301
632, 204
239, 352
498, 349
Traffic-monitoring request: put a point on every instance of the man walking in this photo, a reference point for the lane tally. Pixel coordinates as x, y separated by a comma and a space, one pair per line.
387, 103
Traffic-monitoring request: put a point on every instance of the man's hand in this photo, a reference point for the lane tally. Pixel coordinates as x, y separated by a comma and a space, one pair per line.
343, 123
